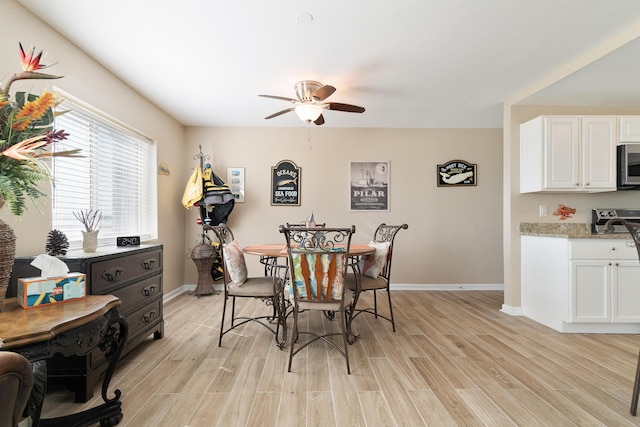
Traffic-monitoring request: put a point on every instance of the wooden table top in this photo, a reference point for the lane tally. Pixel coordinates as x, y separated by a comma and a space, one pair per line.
19, 326
280, 250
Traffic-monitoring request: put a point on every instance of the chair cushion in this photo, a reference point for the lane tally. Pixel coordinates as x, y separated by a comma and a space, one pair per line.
330, 305
236, 266
366, 284
253, 287
372, 265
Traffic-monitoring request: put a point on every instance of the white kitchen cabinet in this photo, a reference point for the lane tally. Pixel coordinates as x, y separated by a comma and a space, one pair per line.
625, 292
590, 291
629, 128
568, 154
605, 291
581, 285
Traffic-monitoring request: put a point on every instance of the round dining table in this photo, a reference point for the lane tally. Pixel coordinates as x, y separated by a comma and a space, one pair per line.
270, 252
276, 250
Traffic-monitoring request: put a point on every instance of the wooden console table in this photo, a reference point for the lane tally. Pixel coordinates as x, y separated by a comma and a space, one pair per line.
73, 328
133, 274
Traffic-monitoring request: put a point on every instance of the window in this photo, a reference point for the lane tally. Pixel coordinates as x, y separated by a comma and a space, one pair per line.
116, 176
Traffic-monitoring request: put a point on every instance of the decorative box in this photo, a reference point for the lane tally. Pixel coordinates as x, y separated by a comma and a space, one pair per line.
36, 291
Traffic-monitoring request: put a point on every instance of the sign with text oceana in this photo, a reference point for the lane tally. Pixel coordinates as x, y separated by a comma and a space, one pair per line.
285, 184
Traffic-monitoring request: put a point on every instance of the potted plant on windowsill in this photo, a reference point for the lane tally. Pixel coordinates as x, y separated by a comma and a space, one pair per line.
27, 139
91, 220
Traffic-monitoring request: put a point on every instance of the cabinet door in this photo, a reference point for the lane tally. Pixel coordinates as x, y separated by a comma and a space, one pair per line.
561, 146
626, 292
629, 128
590, 291
598, 153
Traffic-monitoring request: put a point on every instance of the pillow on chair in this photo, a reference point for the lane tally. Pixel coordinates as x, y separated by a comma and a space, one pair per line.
372, 265
235, 263
302, 280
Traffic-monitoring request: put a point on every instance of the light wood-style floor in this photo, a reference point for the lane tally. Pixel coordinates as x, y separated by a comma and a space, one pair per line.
455, 360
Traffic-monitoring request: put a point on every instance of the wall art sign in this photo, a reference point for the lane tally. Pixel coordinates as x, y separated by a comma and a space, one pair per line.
369, 186
457, 173
285, 184
235, 181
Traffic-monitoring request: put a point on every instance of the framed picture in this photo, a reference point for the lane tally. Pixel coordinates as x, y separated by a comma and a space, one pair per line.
285, 184
235, 181
457, 173
369, 186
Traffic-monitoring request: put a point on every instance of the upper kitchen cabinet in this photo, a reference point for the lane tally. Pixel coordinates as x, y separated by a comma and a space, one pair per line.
568, 154
629, 128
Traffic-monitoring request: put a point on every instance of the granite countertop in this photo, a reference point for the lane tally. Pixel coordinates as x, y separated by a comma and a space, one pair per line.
567, 230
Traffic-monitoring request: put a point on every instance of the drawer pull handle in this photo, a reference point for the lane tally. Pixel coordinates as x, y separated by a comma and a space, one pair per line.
148, 317
112, 275
149, 264
148, 290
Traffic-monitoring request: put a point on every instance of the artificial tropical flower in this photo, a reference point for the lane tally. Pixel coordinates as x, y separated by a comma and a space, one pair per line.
27, 136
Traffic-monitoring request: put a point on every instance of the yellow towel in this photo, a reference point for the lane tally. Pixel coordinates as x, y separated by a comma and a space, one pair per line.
193, 189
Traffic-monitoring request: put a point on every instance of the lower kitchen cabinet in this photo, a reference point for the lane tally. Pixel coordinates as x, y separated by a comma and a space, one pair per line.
605, 291
133, 274
581, 285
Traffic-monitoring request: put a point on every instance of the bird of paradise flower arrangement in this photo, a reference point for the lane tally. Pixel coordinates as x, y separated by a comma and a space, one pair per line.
27, 136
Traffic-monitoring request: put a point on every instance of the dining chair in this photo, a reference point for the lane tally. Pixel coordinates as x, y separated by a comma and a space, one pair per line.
238, 285
318, 261
373, 273
634, 229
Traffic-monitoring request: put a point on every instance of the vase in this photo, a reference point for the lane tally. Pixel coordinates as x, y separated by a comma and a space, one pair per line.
7, 255
90, 241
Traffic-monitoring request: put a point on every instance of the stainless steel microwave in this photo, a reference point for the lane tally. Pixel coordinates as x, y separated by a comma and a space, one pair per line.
629, 166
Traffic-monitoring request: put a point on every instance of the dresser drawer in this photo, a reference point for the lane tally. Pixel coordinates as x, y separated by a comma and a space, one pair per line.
112, 273
144, 318
139, 293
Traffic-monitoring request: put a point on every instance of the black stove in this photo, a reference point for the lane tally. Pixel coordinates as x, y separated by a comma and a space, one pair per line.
599, 218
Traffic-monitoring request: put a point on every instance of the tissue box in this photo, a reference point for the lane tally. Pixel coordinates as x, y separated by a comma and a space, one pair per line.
36, 291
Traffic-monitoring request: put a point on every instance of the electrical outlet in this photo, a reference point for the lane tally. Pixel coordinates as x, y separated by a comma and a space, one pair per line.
543, 210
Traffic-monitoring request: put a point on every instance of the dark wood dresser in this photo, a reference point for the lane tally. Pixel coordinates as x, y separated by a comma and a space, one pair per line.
133, 274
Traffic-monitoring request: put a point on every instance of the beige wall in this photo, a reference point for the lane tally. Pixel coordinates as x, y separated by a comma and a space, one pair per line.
90, 82
454, 236
525, 207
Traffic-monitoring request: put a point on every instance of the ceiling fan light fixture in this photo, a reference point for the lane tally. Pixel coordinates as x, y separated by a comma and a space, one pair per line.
308, 112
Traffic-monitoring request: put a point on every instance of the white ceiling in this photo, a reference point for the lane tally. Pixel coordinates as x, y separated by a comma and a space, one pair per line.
410, 63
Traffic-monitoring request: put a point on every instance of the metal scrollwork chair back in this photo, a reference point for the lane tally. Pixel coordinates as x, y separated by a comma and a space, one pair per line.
318, 261
365, 278
238, 285
634, 229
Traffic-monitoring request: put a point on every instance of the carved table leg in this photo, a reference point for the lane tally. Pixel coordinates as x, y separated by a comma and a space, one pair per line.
110, 412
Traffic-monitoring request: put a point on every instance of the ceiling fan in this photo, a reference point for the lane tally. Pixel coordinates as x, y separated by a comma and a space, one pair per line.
309, 104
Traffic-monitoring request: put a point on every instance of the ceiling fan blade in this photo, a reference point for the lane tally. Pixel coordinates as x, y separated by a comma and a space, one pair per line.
323, 93
319, 121
283, 98
343, 107
279, 113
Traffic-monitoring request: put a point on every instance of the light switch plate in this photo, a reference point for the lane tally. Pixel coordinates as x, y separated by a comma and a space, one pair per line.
543, 210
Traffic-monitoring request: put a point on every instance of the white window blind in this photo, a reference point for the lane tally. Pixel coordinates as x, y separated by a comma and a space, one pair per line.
116, 176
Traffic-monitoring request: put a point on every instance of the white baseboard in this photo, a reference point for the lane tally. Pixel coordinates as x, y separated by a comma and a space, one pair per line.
447, 287
514, 311
181, 290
